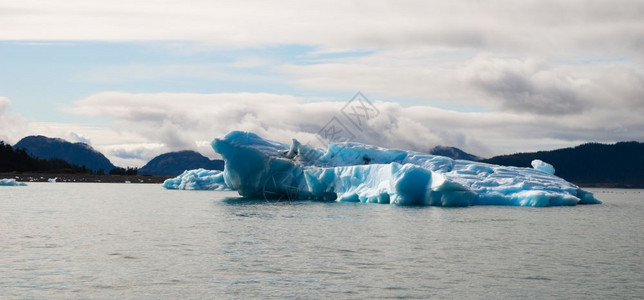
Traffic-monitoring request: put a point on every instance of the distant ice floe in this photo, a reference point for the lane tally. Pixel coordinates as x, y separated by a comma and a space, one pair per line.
199, 179
11, 182
353, 172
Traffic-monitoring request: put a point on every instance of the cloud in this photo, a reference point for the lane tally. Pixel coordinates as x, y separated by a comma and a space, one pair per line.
545, 26
181, 121
133, 155
488, 82
75, 137
12, 126
528, 86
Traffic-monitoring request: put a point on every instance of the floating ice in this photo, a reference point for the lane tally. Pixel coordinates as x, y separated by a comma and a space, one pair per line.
257, 168
199, 179
11, 182
543, 166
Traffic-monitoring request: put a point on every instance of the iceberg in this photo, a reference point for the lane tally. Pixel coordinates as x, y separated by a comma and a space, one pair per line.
354, 172
198, 179
11, 182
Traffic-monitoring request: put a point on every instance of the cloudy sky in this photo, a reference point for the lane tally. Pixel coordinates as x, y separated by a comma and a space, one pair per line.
137, 78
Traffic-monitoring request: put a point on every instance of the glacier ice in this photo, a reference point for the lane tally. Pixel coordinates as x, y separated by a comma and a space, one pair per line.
354, 172
11, 182
198, 179
542, 166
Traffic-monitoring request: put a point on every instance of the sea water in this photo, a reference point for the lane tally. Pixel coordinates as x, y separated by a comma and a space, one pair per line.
85, 240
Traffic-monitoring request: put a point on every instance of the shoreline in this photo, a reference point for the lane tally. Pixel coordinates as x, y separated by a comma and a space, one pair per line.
63, 177
609, 185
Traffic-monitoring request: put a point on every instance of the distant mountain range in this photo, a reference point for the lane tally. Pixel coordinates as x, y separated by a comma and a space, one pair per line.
174, 163
453, 152
79, 154
592, 164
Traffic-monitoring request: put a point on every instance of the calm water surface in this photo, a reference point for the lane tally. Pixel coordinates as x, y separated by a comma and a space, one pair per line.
68, 240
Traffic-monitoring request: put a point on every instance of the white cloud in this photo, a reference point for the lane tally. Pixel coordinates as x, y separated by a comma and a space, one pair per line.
184, 121
132, 155
544, 26
491, 83
180, 120
75, 137
12, 125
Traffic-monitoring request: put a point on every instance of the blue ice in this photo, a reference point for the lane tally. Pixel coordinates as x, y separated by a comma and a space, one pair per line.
198, 179
354, 172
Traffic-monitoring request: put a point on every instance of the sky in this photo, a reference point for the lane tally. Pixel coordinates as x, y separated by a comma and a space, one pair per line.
135, 79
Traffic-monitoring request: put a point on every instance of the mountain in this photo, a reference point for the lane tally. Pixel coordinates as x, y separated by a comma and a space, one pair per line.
79, 154
174, 163
17, 160
592, 164
453, 152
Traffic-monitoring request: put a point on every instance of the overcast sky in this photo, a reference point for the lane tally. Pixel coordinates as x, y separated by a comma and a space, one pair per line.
137, 78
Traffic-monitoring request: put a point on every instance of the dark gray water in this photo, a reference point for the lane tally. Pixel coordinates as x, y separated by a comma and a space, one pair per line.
67, 240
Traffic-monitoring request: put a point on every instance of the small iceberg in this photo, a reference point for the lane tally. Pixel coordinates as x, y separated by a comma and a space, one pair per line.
11, 182
52, 180
198, 179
